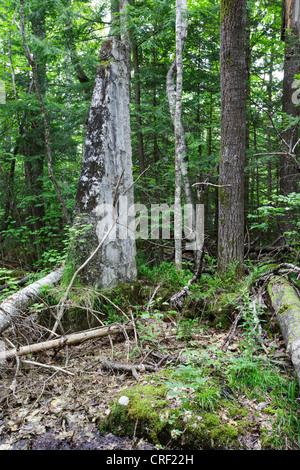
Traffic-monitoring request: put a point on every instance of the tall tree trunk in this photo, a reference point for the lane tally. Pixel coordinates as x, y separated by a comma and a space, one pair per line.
34, 148
248, 93
269, 92
233, 136
175, 104
106, 158
137, 100
181, 10
289, 172
115, 18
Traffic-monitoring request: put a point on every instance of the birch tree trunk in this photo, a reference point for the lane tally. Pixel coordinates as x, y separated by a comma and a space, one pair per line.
106, 165
175, 104
289, 172
21, 300
178, 136
66, 340
233, 136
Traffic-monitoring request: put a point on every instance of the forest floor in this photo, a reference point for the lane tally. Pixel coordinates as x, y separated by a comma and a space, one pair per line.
48, 409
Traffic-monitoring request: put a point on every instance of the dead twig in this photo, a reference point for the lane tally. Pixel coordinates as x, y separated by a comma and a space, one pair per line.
133, 369
152, 297
47, 366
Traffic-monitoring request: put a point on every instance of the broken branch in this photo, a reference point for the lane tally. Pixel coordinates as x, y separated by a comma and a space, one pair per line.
66, 340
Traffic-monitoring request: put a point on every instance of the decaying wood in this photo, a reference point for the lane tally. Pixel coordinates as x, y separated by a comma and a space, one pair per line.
47, 366
286, 304
178, 299
66, 340
21, 300
133, 369
107, 155
85, 263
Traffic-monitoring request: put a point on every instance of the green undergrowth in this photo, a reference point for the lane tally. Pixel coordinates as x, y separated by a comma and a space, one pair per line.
216, 399
219, 402
153, 414
9, 280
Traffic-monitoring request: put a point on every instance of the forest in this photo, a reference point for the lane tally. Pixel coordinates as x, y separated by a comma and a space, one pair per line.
149, 225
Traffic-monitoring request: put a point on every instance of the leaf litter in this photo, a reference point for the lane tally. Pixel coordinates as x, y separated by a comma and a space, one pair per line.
49, 410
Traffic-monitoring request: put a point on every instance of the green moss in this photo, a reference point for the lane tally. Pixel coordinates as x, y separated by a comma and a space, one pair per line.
287, 300
141, 415
151, 415
238, 412
225, 435
106, 63
210, 420
224, 198
270, 410
226, 6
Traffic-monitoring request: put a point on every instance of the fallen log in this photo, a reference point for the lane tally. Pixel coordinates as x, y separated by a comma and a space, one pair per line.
22, 299
67, 340
132, 368
286, 304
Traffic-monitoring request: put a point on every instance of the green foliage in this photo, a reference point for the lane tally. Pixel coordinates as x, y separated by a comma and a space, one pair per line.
165, 274
206, 392
65, 38
279, 208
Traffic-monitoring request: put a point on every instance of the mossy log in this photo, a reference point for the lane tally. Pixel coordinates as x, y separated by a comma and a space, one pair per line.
286, 304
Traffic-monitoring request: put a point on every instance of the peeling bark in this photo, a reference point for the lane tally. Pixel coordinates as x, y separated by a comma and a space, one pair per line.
286, 304
21, 300
107, 156
175, 104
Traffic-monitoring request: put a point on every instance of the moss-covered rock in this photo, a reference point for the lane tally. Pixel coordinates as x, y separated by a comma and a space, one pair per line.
141, 415
148, 412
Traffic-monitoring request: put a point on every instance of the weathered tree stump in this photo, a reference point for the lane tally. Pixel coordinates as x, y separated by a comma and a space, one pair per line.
107, 156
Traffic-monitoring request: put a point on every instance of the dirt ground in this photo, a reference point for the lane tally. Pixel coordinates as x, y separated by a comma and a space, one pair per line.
47, 409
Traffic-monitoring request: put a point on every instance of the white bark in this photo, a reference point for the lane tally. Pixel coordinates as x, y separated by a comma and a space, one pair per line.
175, 103
67, 340
21, 300
107, 156
123, 7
